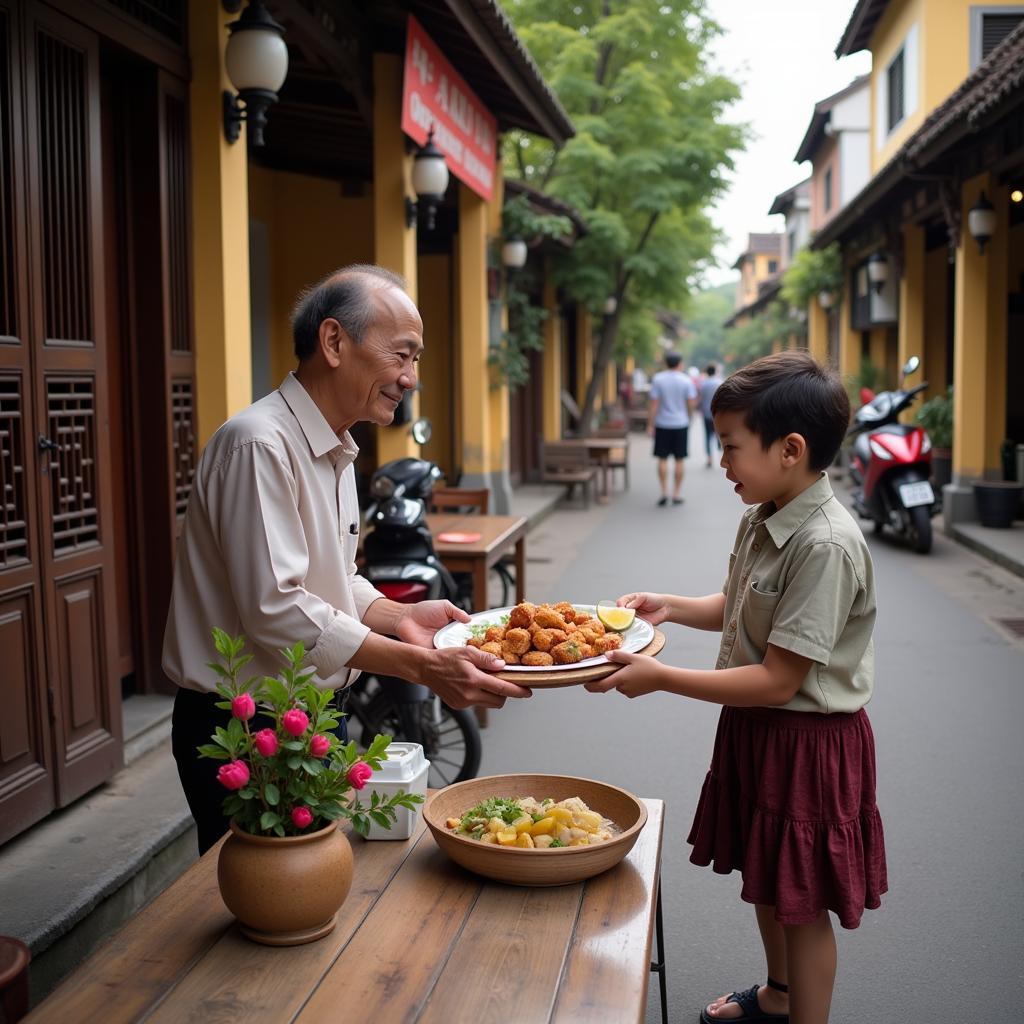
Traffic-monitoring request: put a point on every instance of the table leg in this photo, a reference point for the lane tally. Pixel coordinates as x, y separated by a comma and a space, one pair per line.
659, 966
480, 599
603, 460
520, 570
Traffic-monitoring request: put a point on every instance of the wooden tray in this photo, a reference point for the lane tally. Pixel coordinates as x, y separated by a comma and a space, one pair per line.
575, 676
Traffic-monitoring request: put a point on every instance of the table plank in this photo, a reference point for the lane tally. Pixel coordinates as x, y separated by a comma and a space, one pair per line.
389, 968
509, 959
145, 959
239, 980
608, 965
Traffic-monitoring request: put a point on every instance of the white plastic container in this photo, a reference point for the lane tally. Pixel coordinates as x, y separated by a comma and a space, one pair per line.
405, 768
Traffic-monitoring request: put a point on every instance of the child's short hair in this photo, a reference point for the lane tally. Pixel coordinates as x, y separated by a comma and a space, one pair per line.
786, 393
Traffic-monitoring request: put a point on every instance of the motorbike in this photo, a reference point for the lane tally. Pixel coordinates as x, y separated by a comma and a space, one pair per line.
890, 466
400, 562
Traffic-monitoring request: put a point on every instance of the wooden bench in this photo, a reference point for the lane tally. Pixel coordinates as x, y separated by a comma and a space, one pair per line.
568, 465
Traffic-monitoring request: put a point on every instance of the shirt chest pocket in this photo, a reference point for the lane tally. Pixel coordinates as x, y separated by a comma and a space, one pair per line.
759, 604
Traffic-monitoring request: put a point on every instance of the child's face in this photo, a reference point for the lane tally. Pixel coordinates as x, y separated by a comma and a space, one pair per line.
760, 474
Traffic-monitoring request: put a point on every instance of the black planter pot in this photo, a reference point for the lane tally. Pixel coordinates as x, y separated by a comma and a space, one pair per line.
942, 468
997, 502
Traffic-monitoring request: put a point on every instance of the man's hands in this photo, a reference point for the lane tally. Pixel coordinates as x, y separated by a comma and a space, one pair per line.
653, 608
638, 676
419, 622
459, 676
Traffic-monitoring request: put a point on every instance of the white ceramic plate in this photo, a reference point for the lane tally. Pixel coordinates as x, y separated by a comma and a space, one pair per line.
455, 634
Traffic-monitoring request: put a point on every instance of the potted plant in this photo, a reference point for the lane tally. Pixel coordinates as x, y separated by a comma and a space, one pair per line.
285, 867
936, 416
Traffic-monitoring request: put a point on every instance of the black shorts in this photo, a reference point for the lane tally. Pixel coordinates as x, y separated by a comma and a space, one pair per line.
671, 441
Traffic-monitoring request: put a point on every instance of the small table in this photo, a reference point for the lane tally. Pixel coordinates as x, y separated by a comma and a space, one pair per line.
498, 534
417, 939
600, 449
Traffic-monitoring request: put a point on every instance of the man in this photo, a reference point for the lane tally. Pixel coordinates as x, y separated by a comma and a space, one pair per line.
269, 541
671, 400
708, 386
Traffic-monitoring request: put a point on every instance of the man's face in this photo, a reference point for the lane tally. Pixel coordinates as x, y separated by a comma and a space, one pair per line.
376, 373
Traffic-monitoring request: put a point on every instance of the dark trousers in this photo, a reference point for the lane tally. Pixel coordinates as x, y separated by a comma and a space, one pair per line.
193, 723
710, 435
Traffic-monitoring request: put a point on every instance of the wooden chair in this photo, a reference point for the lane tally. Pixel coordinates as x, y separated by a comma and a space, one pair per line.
618, 458
14, 961
568, 465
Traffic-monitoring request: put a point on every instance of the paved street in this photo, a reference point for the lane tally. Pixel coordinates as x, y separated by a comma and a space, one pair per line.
947, 944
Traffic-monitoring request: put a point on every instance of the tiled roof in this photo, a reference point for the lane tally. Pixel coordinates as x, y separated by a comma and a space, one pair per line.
862, 23
766, 291
784, 200
820, 117
546, 203
993, 88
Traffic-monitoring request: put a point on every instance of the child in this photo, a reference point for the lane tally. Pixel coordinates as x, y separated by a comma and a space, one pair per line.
790, 796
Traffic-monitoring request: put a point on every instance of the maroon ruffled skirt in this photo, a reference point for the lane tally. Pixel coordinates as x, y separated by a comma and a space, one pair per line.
790, 802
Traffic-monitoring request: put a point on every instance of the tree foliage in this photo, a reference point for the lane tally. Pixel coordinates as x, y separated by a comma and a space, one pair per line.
649, 156
703, 325
813, 271
758, 335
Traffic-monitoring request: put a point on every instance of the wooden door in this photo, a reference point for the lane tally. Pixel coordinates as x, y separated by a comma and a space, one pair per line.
26, 755
72, 425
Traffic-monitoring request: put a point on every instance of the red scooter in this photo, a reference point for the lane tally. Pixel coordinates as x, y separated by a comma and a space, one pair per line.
891, 466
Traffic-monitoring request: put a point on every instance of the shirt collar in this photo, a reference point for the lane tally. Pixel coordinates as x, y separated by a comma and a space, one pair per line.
782, 524
322, 440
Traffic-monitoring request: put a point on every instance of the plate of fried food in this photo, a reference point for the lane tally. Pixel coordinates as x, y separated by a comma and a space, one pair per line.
542, 639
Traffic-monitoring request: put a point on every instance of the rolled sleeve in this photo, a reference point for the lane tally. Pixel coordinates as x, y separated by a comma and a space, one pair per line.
816, 600
334, 649
364, 594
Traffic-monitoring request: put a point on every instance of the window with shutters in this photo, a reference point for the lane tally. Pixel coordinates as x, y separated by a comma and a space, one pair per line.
896, 83
989, 27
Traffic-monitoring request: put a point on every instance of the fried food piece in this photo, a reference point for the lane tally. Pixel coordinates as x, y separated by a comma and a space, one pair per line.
509, 657
492, 647
608, 642
566, 610
586, 651
571, 627
533, 628
548, 618
567, 653
522, 615
580, 617
596, 626
494, 633
475, 641
537, 658
517, 640
589, 636
545, 639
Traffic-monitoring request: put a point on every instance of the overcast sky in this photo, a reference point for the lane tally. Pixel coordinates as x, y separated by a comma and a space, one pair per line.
782, 55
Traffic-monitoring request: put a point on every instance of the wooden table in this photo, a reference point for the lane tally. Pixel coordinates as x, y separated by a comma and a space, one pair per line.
417, 939
498, 534
600, 450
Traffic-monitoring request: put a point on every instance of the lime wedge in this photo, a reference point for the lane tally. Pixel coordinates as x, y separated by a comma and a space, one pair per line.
614, 618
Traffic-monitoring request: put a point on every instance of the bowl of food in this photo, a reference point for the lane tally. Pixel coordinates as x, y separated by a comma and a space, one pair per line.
535, 829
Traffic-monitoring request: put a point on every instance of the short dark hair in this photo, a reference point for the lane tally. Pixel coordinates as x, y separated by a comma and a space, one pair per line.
672, 359
710, 369
785, 393
345, 295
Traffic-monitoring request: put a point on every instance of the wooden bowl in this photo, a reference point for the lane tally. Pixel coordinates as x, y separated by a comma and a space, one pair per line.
535, 867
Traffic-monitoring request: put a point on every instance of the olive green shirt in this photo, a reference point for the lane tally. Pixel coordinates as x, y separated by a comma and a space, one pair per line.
801, 578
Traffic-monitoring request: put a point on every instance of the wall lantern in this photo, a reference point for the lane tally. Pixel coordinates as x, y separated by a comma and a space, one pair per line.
256, 59
878, 271
429, 182
981, 221
1017, 195
826, 299
513, 254
610, 305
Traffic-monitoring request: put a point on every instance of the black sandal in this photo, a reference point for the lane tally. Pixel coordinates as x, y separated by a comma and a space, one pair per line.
751, 1008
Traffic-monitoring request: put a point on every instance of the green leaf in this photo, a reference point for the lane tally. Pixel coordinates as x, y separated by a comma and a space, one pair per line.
279, 831
379, 746
214, 750
271, 794
383, 819
247, 793
294, 761
268, 819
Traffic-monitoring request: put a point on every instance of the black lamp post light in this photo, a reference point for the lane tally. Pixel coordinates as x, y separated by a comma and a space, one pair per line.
429, 182
256, 58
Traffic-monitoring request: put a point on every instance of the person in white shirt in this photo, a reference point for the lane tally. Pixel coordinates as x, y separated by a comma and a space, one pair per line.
269, 541
672, 399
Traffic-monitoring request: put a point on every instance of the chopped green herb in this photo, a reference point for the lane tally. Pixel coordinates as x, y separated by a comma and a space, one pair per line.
555, 844
494, 807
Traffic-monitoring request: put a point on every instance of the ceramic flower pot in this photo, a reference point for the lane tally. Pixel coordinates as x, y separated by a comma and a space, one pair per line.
997, 502
287, 891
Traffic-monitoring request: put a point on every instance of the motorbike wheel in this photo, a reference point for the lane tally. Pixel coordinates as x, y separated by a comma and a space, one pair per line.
920, 529
450, 738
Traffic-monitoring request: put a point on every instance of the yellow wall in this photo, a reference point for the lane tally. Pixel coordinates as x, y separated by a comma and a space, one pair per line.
936, 271
817, 331
311, 230
912, 304
220, 231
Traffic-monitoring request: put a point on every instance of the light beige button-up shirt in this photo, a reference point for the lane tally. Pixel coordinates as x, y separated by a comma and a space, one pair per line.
269, 544
801, 578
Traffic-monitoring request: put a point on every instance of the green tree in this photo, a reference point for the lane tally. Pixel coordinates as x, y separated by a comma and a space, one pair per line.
703, 325
755, 337
647, 160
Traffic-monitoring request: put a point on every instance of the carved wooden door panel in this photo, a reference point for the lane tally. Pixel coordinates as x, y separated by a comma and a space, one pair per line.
71, 438
26, 757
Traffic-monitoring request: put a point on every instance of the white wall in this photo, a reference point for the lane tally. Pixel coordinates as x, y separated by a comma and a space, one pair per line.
851, 121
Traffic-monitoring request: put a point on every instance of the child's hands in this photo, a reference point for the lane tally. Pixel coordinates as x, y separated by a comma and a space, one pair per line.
653, 608
638, 676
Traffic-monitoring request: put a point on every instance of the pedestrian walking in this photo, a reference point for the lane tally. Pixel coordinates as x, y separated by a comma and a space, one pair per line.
672, 398
789, 800
706, 391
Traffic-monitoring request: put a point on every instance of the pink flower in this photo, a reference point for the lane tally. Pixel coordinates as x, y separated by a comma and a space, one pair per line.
243, 707
319, 745
233, 775
295, 722
359, 774
265, 742
301, 816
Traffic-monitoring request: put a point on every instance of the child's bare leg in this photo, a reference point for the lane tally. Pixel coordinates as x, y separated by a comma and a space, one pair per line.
811, 955
771, 1000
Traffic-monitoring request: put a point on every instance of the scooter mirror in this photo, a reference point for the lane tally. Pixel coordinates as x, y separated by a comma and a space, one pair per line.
421, 430
911, 366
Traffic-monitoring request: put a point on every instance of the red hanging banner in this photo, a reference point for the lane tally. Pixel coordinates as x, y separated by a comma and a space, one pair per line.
435, 96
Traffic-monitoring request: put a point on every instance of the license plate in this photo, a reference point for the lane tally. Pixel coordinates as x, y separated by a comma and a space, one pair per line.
916, 494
